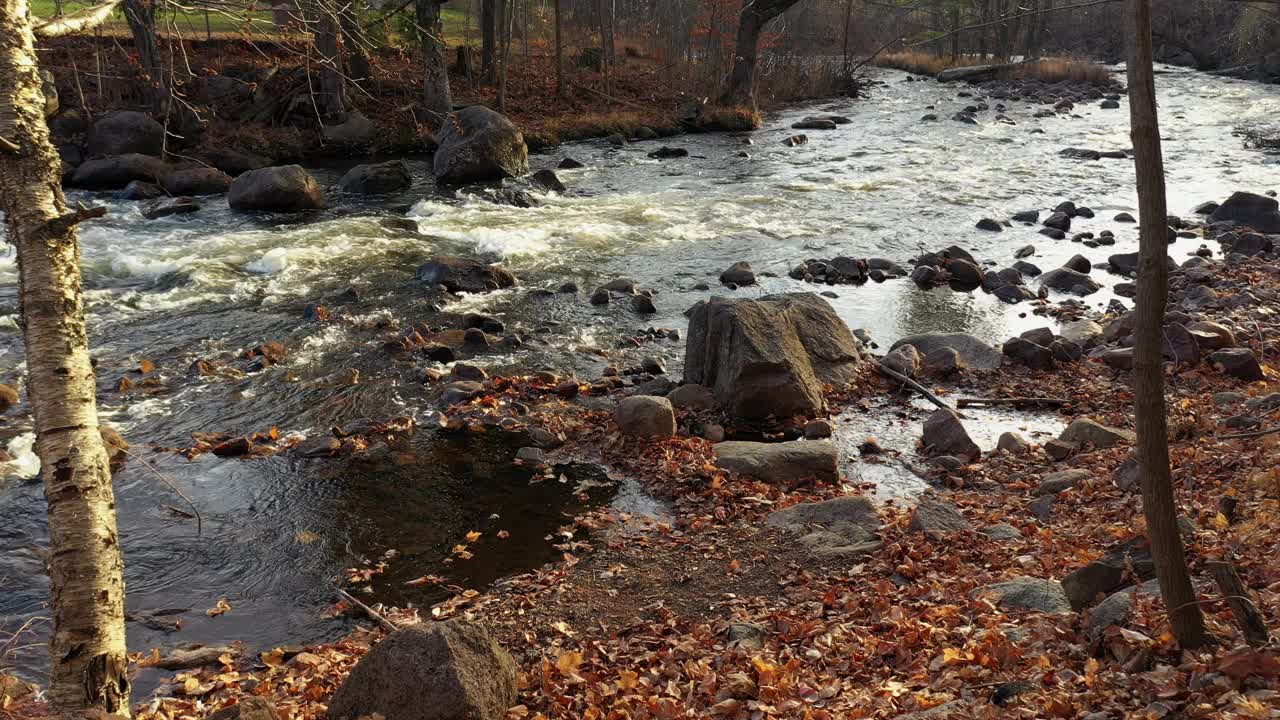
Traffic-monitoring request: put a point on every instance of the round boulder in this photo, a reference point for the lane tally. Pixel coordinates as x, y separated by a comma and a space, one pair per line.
284, 188
646, 416
121, 133
478, 145
377, 178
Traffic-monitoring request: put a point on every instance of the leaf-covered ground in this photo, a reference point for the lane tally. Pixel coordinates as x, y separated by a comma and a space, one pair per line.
634, 621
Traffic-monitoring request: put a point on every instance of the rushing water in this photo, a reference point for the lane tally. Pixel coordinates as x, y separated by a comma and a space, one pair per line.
278, 530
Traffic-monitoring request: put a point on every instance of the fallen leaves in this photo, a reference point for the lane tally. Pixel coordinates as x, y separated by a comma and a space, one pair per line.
222, 607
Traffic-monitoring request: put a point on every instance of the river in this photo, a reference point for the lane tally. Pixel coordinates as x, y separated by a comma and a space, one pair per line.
277, 531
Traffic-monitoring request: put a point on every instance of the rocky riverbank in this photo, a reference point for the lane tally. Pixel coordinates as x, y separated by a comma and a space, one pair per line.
1019, 585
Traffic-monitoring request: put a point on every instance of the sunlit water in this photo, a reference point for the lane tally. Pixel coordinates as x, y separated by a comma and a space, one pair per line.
277, 531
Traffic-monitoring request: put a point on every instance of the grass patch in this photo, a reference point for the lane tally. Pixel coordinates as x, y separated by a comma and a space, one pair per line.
1049, 69
587, 125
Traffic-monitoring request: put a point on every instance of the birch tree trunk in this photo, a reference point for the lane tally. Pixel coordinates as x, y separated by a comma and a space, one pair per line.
85, 565
1158, 503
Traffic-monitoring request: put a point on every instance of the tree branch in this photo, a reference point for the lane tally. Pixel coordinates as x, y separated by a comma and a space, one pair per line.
85, 19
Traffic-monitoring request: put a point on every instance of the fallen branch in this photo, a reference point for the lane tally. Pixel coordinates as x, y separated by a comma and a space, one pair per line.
1233, 589
373, 614
1253, 434
8, 145
1051, 402
78, 21
915, 386
195, 512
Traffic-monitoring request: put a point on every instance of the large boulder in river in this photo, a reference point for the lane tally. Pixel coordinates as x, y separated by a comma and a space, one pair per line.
771, 355
376, 178
448, 670
1256, 211
781, 462
478, 144
121, 133
973, 352
459, 274
112, 173
284, 188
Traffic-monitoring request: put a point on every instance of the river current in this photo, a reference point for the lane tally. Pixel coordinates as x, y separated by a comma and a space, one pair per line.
276, 531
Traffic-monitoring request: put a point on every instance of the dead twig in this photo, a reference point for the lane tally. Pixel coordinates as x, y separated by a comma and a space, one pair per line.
1050, 402
174, 488
917, 387
1252, 434
373, 614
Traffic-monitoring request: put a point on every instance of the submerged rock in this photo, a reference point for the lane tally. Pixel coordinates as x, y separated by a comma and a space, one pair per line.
770, 356
458, 274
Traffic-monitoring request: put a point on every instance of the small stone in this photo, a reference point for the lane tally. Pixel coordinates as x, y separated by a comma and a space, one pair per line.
818, 429
645, 416
531, 456
1054, 483
937, 517
944, 434
643, 304
1012, 442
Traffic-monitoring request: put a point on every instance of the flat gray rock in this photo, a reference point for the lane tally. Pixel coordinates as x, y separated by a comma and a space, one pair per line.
836, 528
780, 462
973, 352
1028, 593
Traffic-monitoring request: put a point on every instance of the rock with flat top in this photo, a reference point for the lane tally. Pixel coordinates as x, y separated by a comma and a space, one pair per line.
935, 516
842, 527
1085, 430
973, 352
1028, 593
783, 462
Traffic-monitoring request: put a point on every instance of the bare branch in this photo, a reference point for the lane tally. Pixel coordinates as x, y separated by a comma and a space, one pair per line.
85, 19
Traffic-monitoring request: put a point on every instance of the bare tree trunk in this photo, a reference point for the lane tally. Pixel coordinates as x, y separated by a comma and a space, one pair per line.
755, 15
86, 570
141, 16
331, 98
358, 65
559, 53
488, 40
1158, 502
437, 98
955, 34
505, 17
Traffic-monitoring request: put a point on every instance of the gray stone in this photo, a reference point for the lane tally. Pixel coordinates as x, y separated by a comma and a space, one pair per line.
904, 360
1067, 280
818, 429
285, 188
1127, 474
770, 356
782, 462
1109, 572
944, 434
1084, 333
1002, 531
1116, 609
1238, 363
1085, 430
692, 397
354, 130
376, 178
125, 132
935, 516
1028, 593
739, 274
458, 274
531, 455
745, 635
1025, 352
477, 144
1054, 483
1212, 335
941, 362
117, 171
1256, 211
449, 670
196, 181
646, 416
849, 525
973, 352
1013, 443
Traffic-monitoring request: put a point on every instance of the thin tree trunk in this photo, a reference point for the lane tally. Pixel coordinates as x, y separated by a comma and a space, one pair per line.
559, 53
141, 16
755, 15
331, 98
1158, 502
488, 39
955, 34
358, 65
437, 98
87, 649
506, 18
